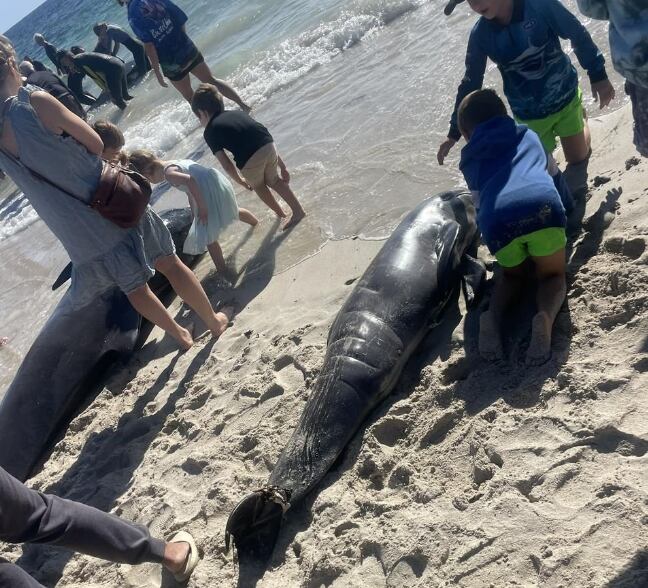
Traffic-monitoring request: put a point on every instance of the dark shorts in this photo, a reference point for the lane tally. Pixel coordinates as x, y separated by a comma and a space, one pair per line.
179, 71
639, 97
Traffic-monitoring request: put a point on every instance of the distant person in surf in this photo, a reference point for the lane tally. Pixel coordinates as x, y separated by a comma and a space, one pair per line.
211, 197
50, 51
161, 26
520, 216
522, 37
258, 165
111, 38
108, 72
53, 85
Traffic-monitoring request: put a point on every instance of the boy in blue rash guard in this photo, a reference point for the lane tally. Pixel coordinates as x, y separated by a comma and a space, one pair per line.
520, 216
629, 46
523, 38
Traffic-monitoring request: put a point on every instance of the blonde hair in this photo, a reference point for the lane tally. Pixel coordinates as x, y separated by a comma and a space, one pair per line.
143, 161
7, 58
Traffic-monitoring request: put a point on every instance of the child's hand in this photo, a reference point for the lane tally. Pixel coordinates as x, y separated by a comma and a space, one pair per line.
244, 183
444, 149
603, 91
285, 175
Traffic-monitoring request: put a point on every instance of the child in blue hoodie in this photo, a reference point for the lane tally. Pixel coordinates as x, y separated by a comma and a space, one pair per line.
522, 37
520, 215
629, 46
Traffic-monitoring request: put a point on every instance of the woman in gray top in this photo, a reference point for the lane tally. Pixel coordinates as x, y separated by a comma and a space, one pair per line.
38, 133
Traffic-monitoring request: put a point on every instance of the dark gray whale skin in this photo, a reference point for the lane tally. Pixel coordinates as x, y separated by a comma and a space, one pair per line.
73, 349
389, 312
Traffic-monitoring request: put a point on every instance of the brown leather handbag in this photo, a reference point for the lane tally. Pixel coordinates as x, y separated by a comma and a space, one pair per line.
122, 195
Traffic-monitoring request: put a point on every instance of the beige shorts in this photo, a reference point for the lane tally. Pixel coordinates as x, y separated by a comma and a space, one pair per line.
261, 168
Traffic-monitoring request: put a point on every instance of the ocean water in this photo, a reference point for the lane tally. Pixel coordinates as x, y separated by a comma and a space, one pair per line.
356, 93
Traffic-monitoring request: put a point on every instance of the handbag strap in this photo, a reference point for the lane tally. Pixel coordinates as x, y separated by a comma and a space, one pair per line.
42, 178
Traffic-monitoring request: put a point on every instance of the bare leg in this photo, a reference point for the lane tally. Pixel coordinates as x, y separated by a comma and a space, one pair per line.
577, 147
217, 256
150, 307
550, 272
247, 217
187, 286
184, 87
204, 74
506, 290
285, 191
266, 196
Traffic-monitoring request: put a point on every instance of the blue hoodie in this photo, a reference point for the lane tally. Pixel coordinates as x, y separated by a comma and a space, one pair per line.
539, 78
505, 167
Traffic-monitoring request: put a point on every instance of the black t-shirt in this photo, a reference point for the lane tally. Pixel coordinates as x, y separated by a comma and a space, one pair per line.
50, 82
237, 132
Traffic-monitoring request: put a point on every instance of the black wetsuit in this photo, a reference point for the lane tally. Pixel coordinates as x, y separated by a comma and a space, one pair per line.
108, 73
56, 87
118, 36
51, 52
75, 83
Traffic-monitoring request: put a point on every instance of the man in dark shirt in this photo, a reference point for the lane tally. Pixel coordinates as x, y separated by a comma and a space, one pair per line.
253, 149
50, 50
108, 73
111, 38
53, 85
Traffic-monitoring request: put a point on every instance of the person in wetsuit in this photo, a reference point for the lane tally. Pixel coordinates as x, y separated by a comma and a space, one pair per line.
53, 85
110, 39
50, 50
108, 72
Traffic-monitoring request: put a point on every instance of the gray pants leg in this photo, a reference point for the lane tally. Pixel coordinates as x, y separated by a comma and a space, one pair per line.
27, 516
11, 576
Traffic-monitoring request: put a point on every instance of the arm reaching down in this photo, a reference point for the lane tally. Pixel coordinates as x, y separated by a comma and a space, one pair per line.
178, 178
152, 54
231, 170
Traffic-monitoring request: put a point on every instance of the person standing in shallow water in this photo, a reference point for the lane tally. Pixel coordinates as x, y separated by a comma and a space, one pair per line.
38, 133
161, 26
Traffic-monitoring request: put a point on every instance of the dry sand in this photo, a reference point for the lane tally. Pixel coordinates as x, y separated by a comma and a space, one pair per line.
469, 475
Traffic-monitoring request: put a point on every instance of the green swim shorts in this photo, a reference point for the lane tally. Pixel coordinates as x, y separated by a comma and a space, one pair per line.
565, 123
537, 244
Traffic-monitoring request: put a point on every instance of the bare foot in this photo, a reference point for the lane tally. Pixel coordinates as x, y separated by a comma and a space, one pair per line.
221, 321
4, 341
176, 556
185, 339
539, 350
490, 341
294, 219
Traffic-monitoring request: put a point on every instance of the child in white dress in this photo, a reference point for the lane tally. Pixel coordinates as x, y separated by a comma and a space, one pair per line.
211, 198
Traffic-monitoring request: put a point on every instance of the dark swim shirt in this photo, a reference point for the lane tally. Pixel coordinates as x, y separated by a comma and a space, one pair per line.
161, 22
237, 132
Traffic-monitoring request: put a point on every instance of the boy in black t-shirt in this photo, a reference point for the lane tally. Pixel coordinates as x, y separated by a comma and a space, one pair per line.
253, 149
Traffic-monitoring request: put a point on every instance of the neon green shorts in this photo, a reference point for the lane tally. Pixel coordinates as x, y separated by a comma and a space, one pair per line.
537, 244
565, 123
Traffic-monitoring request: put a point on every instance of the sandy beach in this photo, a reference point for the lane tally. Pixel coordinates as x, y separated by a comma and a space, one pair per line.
468, 475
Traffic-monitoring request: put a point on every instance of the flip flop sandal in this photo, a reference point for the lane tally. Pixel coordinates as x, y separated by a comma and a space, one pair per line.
192, 559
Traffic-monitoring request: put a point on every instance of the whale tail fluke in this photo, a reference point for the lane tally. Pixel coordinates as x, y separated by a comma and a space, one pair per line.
254, 525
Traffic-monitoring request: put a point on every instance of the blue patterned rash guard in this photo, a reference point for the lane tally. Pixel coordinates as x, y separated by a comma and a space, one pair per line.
539, 78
